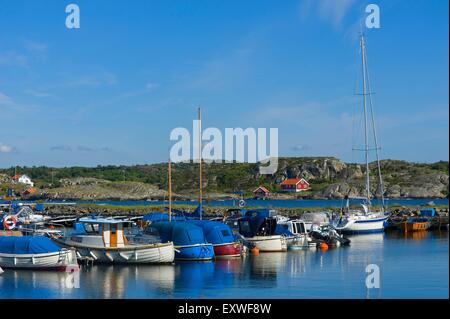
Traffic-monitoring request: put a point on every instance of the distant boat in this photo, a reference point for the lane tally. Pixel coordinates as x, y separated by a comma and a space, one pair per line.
34, 252
366, 220
104, 240
413, 224
258, 228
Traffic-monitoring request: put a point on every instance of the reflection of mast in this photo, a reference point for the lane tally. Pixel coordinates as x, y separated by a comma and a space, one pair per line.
170, 189
200, 196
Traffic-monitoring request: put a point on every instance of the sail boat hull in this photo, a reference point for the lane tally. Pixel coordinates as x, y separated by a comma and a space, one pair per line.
364, 226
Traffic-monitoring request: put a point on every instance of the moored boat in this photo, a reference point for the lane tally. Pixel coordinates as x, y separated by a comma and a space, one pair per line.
415, 224
297, 234
366, 220
221, 237
104, 241
257, 229
34, 252
188, 239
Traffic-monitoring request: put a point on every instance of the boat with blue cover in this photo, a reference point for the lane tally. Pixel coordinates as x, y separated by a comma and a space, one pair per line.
188, 239
258, 228
34, 252
221, 236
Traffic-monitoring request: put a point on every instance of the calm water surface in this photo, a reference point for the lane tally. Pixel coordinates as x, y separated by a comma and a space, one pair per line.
413, 266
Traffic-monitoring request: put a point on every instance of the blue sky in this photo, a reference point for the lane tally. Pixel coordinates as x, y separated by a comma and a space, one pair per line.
111, 91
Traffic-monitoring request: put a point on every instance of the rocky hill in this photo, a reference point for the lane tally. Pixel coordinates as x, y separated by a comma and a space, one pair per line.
329, 178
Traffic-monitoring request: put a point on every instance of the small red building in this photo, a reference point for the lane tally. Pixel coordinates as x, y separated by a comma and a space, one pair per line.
294, 185
261, 192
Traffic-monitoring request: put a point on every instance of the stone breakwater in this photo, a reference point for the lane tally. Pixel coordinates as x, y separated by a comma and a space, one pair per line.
80, 210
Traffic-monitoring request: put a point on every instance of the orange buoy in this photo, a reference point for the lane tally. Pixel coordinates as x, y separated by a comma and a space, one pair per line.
323, 246
255, 251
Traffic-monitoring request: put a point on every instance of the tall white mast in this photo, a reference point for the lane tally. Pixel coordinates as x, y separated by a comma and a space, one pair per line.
377, 148
366, 142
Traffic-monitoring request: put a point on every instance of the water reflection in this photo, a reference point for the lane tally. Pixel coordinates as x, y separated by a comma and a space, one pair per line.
336, 273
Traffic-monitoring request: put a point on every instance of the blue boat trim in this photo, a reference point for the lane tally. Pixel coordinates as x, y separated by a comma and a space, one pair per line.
370, 221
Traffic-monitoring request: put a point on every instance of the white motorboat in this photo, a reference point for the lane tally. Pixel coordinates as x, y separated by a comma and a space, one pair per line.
258, 229
268, 243
34, 252
1, 271
299, 238
103, 240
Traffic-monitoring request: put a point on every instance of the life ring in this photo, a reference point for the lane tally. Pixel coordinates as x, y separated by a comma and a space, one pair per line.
9, 222
242, 203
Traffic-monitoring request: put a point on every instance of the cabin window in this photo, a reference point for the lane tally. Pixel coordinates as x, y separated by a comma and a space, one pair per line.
244, 228
113, 229
301, 228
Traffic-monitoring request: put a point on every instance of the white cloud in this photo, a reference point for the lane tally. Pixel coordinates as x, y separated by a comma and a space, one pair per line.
5, 99
151, 86
4, 148
39, 94
333, 11
13, 58
36, 47
93, 81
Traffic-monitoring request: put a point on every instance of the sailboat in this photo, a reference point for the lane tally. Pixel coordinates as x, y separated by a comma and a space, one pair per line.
365, 220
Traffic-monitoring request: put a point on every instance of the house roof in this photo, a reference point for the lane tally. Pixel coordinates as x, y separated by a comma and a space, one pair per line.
293, 181
265, 190
16, 176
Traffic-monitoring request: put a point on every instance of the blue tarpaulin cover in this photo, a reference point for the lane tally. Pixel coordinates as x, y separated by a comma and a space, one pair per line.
215, 231
180, 233
21, 245
161, 217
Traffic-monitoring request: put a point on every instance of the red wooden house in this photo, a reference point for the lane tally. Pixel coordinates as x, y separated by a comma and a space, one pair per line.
294, 185
261, 192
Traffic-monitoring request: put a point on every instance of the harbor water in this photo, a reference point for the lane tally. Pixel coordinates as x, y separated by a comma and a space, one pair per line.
415, 265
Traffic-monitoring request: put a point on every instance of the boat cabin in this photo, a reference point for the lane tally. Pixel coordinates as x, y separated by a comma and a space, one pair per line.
106, 231
297, 227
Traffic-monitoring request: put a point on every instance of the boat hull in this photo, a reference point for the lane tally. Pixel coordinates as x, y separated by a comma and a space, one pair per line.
365, 226
139, 254
199, 252
228, 250
274, 243
47, 261
414, 226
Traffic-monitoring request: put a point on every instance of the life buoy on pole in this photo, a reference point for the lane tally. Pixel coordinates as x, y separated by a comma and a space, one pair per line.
9, 222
